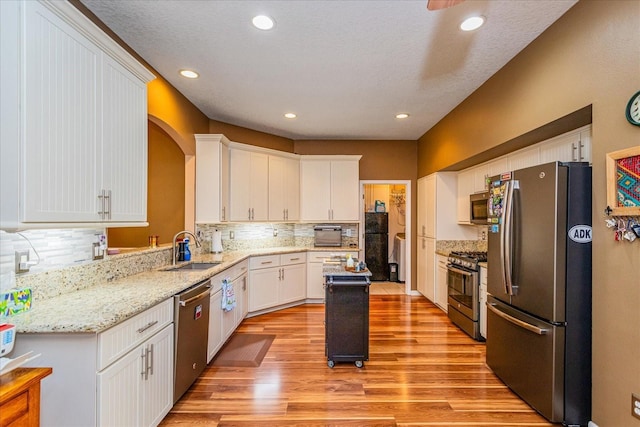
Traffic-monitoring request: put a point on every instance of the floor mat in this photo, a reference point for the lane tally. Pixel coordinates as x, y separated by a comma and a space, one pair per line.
245, 350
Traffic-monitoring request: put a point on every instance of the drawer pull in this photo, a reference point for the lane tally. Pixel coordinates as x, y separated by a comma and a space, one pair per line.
294, 259
147, 326
266, 262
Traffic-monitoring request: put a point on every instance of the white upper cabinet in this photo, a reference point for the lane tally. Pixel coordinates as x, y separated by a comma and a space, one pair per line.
249, 185
284, 188
74, 118
573, 146
212, 178
329, 188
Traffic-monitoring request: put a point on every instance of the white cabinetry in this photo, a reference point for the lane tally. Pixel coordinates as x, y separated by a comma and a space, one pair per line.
212, 179
329, 188
135, 359
315, 279
275, 280
284, 188
74, 115
426, 267
573, 146
214, 337
437, 193
249, 182
441, 282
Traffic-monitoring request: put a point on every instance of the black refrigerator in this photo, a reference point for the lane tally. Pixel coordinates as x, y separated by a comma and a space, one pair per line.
376, 244
539, 285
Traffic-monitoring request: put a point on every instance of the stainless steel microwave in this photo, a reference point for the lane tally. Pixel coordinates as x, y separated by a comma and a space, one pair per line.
327, 235
479, 208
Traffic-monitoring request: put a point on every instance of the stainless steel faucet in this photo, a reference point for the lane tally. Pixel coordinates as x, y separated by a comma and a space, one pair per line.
175, 239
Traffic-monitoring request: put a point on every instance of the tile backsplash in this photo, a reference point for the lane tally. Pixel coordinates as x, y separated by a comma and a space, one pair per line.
55, 249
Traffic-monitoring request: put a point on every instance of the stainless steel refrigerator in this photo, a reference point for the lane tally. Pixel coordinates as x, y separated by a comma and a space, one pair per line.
539, 281
376, 244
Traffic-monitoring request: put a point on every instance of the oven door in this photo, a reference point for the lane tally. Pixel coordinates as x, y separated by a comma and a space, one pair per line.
463, 291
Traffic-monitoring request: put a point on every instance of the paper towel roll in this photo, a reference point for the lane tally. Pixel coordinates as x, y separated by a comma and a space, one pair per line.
216, 242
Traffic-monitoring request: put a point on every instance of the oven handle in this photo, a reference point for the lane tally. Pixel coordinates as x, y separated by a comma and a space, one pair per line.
529, 327
457, 270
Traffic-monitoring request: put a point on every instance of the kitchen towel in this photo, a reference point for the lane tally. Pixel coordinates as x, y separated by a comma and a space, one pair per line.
228, 296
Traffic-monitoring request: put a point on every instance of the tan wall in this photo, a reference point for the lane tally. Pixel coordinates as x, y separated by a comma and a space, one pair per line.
251, 137
590, 56
165, 197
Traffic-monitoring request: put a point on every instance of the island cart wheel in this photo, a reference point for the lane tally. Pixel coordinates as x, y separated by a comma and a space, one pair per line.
359, 363
331, 363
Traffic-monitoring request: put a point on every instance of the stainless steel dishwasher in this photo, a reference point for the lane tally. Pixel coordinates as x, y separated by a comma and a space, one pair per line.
191, 331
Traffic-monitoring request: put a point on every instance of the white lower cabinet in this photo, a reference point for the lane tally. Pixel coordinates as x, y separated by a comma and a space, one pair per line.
222, 323
441, 282
315, 279
426, 265
277, 279
137, 389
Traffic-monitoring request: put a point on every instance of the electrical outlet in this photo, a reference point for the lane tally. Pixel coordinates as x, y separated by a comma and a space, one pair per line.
635, 405
232, 235
22, 261
348, 232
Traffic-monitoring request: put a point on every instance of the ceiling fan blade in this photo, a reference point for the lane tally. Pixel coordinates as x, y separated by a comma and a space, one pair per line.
441, 4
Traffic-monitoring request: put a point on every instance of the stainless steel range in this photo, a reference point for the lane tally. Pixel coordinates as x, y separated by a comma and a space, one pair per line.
463, 282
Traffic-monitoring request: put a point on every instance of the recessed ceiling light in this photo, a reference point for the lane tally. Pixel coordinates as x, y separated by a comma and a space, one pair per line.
290, 116
263, 22
402, 116
472, 23
190, 74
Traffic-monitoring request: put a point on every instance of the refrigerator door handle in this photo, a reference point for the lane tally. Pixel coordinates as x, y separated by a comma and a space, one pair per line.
529, 327
507, 238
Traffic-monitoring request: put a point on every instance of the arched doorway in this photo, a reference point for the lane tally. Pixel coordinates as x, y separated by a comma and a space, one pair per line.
165, 193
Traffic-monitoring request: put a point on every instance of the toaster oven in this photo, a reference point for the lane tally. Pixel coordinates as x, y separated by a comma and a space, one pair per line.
327, 235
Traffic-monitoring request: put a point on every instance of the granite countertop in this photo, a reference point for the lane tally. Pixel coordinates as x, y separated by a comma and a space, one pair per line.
99, 307
338, 269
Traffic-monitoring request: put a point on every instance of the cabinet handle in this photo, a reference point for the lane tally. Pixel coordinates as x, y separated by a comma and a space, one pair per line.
224, 213
147, 326
249, 214
108, 203
279, 274
150, 358
294, 259
287, 217
102, 210
574, 149
143, 360
283, 274
580, 147
266, 262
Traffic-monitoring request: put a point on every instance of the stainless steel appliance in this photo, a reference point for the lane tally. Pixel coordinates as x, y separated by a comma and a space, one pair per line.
478, 208
327, 235
463, 287
191, 323
376, 244
539, 281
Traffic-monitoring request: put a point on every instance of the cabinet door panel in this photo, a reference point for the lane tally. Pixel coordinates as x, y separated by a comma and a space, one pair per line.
345, 202
315, 281
60, 115
157, 389
263, 288
124, 153
215, 323
119, 388
293, 285
315, 190
259, 171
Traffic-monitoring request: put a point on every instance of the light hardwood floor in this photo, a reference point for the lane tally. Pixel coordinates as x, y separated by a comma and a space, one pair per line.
422, 371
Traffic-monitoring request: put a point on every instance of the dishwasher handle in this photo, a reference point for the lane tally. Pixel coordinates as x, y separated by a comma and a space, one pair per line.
197, 297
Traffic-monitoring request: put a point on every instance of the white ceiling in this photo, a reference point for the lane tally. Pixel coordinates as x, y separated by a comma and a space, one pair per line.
346, 68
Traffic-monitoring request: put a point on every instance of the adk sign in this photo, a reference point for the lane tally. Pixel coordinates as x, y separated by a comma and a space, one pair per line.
580, 233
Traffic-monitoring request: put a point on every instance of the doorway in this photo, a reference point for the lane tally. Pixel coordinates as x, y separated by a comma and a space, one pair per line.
392, 197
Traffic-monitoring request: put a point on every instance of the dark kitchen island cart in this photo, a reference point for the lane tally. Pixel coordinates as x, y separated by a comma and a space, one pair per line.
346, 317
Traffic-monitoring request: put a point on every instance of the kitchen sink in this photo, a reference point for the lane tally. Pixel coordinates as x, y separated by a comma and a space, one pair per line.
194, 266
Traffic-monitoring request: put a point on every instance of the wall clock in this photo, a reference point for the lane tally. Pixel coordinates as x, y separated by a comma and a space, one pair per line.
633, 109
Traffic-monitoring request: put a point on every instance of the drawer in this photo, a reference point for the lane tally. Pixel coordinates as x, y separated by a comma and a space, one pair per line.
119, 340
321, 256
265, 261
297, 258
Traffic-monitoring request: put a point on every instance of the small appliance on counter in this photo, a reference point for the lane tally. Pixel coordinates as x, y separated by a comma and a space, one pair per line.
7, 340
327, 235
